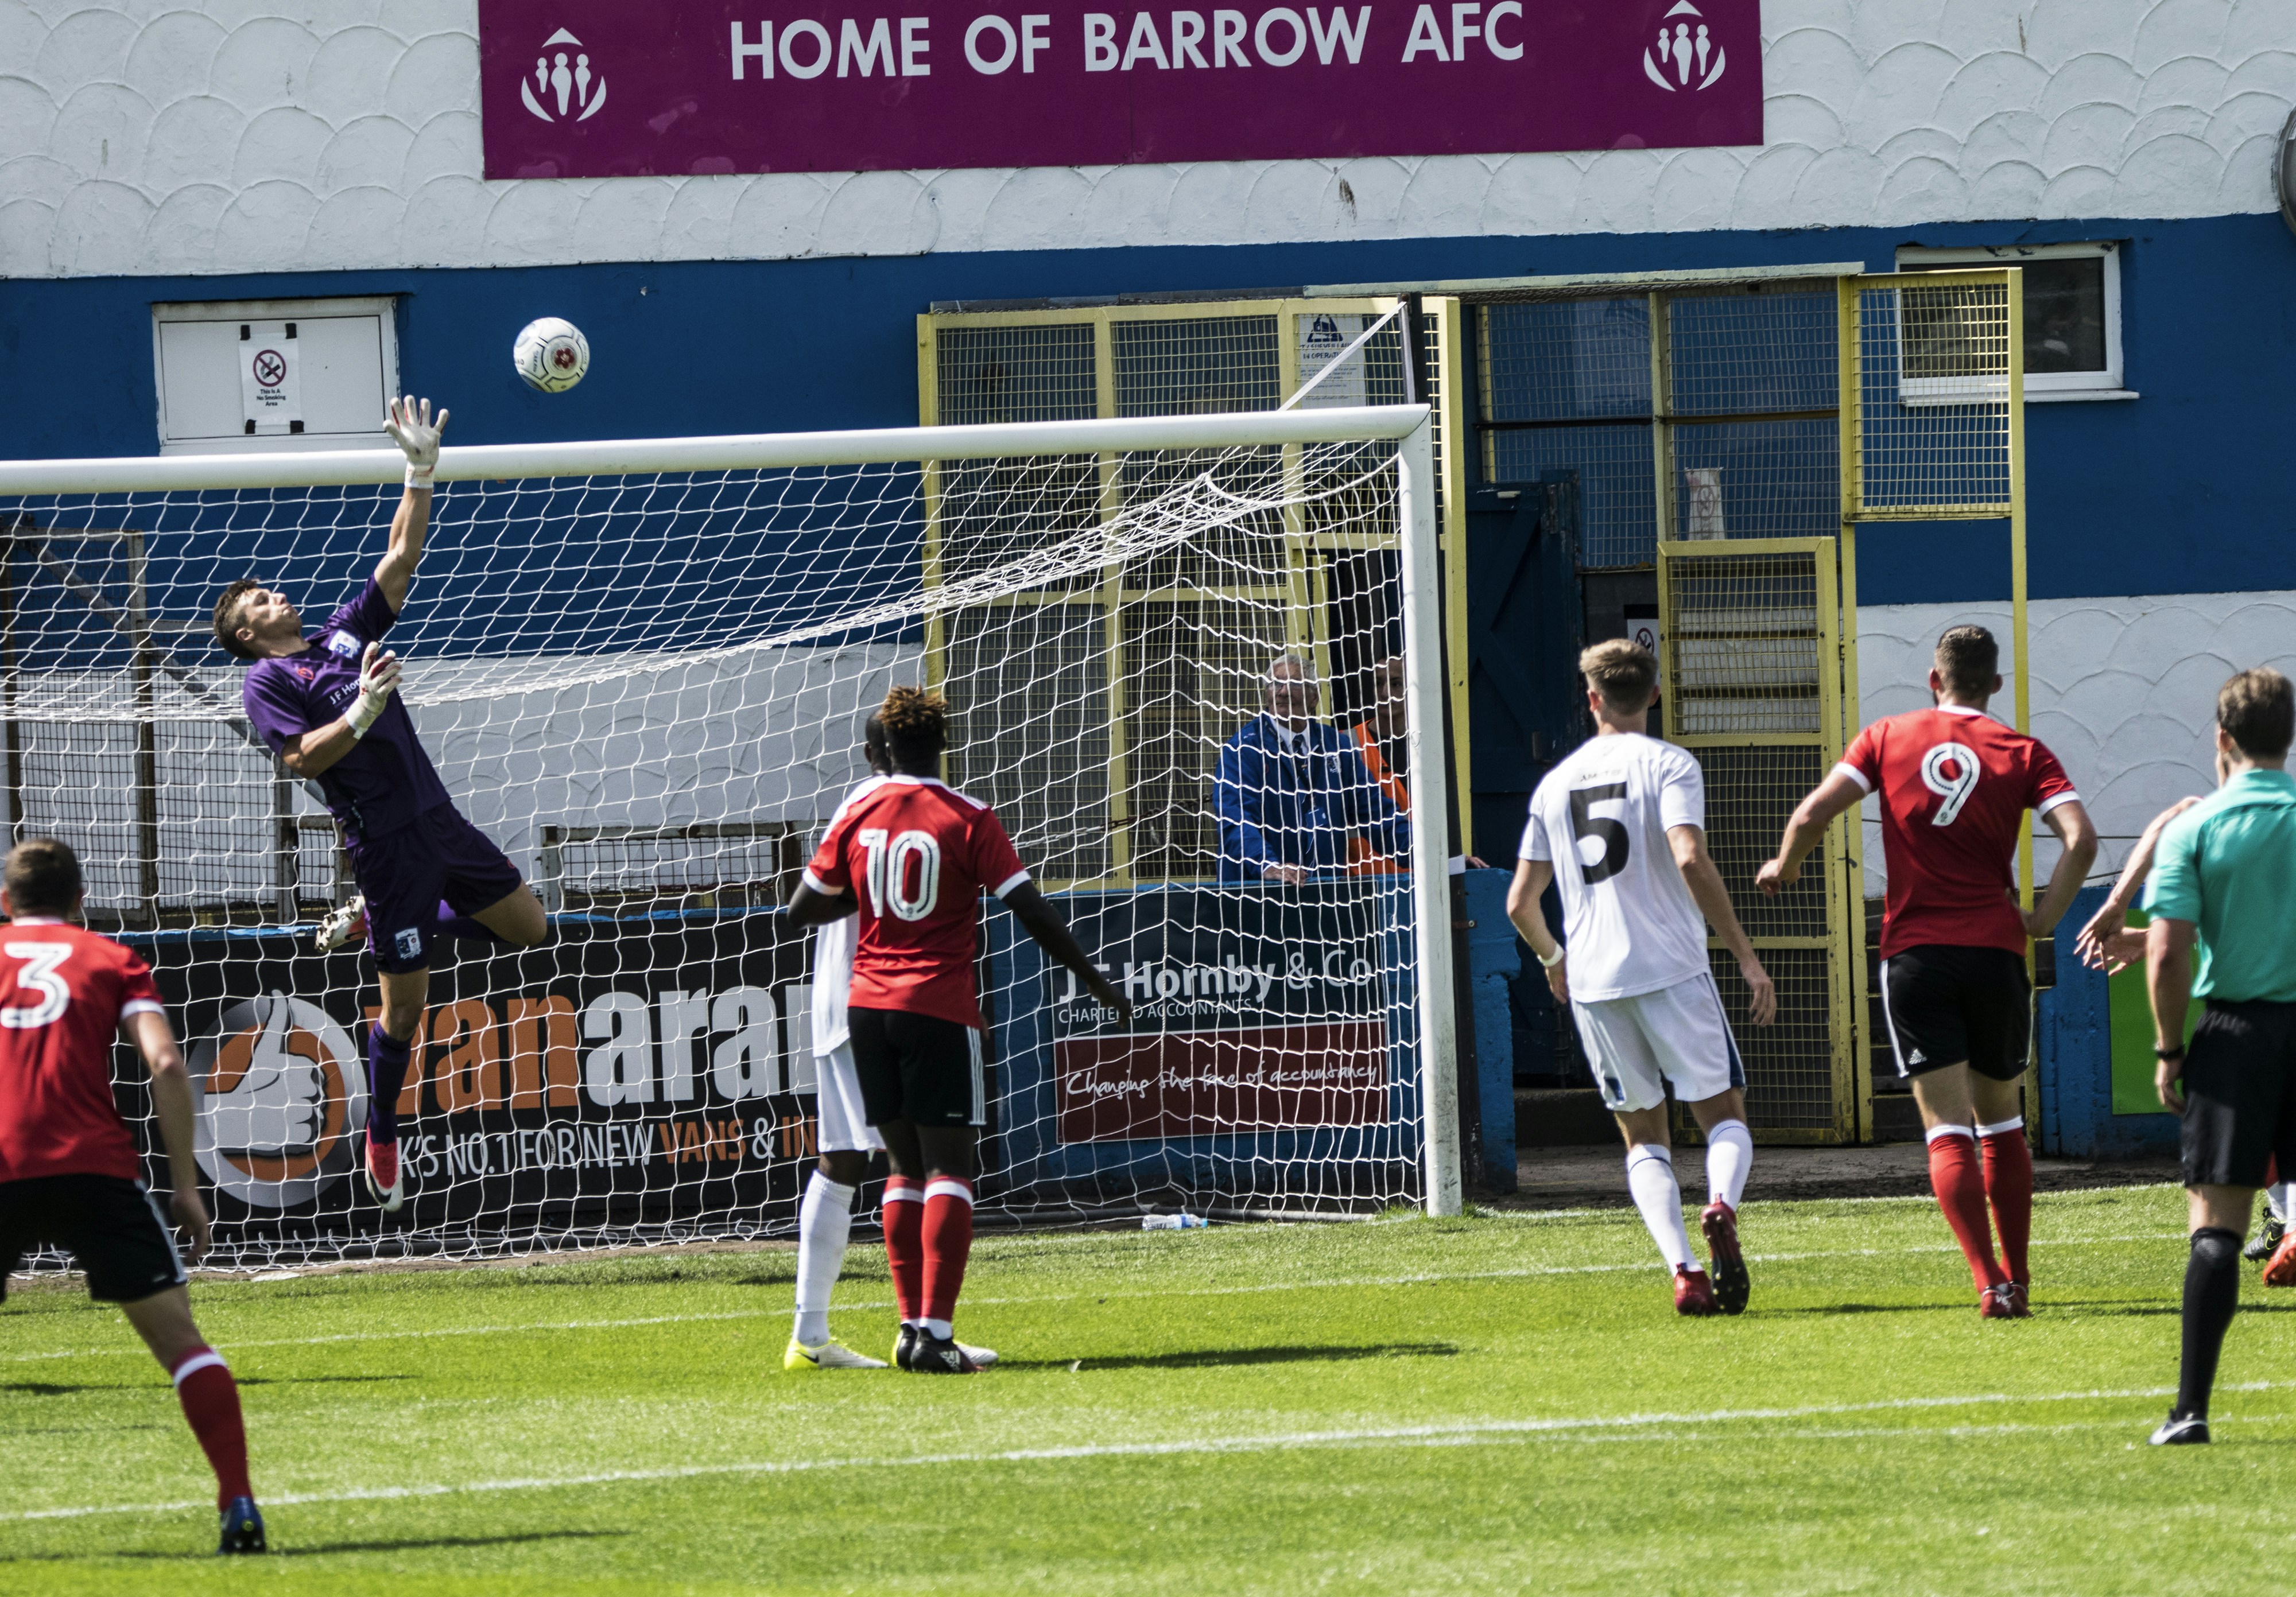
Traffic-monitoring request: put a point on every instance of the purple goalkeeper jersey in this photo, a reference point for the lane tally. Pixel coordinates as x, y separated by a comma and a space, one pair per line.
386, 780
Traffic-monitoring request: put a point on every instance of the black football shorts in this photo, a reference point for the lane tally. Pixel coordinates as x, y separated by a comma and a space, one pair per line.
918, 1067
1950, 1005
2240, 1095
111, 1228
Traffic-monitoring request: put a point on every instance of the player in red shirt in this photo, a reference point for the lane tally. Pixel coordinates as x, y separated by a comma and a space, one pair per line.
1954, 785
70, 1174
914, 856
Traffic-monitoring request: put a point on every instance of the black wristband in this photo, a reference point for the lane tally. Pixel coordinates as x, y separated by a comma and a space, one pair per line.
2170, 1056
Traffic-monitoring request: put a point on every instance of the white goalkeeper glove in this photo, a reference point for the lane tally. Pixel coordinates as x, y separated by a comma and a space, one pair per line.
378, 681
410, 424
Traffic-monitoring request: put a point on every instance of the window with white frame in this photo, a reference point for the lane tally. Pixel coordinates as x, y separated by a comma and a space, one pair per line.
2072, 317
268, 374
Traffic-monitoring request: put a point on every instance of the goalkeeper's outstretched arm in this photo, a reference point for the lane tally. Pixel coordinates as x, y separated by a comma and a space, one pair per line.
410, 425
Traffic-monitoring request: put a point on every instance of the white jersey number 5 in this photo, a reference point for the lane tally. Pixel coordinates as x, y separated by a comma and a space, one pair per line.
41, 963
1956, 788
888, 872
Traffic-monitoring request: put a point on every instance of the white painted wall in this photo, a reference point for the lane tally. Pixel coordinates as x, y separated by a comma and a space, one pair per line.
152, 137
2123, 692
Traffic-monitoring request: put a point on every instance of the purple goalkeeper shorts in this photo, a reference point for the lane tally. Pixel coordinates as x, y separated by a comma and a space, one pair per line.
406, 873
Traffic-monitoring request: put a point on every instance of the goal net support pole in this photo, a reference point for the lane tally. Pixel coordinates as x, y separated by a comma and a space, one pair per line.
1430, 777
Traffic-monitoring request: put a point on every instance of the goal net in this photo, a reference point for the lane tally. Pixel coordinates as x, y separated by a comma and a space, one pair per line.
642, 670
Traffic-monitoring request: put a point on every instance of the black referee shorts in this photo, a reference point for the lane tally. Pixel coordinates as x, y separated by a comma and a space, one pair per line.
917, 1067
2240, 1095
1950, 1005
111, 1228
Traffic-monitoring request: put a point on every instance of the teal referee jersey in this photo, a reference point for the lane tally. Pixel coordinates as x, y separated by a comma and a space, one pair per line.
2228, 865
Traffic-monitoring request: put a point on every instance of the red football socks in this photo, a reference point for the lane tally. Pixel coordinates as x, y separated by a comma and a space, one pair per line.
904, 1217
1957, 1177
210, 1400
2009, 1185
947, 1244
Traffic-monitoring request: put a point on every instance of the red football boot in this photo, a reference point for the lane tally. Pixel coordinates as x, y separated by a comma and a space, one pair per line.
1693, 1293
384, 1178
1732, 1285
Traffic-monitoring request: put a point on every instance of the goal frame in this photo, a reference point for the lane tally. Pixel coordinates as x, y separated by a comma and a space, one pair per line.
1409, 427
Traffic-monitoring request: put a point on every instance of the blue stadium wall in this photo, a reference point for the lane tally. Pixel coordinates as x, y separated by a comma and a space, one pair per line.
2177, 492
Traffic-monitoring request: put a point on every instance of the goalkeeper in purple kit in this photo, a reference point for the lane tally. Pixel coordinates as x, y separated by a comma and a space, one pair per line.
328, 705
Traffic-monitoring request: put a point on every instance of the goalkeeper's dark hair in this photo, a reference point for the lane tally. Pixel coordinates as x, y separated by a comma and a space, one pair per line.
226, 618
42, 876
917, 726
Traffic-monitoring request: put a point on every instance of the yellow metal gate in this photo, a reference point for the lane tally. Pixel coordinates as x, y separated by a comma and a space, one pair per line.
1754, 688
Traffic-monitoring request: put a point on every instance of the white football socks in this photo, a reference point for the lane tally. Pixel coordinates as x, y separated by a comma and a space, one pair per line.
2276, 1198
939, 1329
824, 1223
1649, 1177
1729, 1155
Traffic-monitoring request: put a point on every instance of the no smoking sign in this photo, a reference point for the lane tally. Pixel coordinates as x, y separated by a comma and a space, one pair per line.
270, 386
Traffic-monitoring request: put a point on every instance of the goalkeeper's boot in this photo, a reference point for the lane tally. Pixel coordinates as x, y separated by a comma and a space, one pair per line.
341, 925
384, 1177
2182, 1431
1693, 1293
831, 1354
243, 1527
1732, 1285
2282, 1270
2267, 1241
937, 1355
905, 1342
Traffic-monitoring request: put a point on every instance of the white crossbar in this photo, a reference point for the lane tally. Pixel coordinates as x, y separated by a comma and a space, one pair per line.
734, 453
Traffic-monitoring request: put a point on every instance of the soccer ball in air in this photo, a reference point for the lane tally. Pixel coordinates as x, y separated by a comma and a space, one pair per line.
551, 354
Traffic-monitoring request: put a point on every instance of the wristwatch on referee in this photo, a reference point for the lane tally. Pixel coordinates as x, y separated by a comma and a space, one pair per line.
2170, 1056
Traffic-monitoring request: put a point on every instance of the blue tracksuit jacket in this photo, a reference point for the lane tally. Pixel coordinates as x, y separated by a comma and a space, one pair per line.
1298, 809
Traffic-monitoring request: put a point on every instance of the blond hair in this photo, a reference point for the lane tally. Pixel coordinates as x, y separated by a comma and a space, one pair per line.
1623, 672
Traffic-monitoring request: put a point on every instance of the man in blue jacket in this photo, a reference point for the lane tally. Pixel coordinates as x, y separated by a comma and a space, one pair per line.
1292, 790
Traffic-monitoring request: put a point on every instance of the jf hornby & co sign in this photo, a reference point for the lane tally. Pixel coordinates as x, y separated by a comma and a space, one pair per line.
598, 88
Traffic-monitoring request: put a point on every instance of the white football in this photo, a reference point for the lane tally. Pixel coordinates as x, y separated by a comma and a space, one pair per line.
551, 354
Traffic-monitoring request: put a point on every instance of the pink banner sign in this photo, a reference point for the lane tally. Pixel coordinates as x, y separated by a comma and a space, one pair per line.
604, 88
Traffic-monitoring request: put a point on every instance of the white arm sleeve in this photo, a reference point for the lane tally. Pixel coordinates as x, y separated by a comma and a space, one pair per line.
1681, 793
1534, 844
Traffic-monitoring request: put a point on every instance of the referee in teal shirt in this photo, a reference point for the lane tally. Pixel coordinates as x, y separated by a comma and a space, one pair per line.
2224, 881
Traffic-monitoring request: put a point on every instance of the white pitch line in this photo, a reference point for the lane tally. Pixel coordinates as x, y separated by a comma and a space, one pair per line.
1350, 1283
1431, 1435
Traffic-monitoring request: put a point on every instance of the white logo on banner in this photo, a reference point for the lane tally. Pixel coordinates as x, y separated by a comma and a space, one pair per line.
563, 80
1685, 54
281, 1092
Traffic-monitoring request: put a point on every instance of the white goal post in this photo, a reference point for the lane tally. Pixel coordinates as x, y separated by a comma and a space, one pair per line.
641, 666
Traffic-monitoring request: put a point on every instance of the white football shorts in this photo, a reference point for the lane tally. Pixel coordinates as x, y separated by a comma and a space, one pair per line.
1678, 1034
844, 1127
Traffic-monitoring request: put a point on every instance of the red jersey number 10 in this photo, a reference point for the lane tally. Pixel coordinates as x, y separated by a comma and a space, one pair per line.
888, 872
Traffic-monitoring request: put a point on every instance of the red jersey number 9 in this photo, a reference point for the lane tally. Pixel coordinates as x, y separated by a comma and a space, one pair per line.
888, 872
39, 976
1949, 771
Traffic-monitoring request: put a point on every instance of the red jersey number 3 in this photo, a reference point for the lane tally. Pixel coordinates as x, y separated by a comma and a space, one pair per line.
42, 960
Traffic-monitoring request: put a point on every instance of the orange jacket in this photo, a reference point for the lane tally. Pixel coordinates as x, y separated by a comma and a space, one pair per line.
1361, 860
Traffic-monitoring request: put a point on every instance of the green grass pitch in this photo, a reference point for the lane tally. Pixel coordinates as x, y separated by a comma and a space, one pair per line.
1497, 1404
